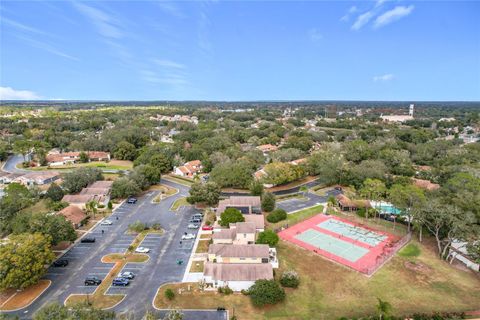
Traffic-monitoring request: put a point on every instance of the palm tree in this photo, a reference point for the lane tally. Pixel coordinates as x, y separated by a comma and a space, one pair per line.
384, 308
91, 207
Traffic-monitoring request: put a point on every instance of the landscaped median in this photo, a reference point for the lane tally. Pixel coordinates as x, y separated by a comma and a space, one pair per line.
165, 192
180, 202
99, 298
12, 300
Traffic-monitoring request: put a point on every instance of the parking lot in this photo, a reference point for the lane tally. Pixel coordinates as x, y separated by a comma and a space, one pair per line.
311, 200
165, 250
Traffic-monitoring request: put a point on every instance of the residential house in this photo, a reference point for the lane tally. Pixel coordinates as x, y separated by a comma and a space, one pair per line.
38, 178
346, 204
245, 204
98, 191
267, 148
189, 169
236, 253
238, 233
61, 159
257, 219
236, 276
74, 214
298, 161
458, 251
9, 177
425, 184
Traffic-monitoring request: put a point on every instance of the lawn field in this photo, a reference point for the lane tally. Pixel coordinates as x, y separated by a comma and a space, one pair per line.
178, 203
296, 217
111, 165
329, 291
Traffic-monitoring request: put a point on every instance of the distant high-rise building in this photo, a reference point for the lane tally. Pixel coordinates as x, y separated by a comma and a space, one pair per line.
410, 110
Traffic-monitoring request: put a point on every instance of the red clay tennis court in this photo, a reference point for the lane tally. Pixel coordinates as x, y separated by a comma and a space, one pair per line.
351, 244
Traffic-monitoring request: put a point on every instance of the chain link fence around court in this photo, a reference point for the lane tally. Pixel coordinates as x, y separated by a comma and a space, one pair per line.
388, 251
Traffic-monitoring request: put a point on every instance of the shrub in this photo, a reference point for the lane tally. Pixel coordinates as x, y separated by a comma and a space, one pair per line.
277, 215
110, 205
156, 226
266, 292
290, 279
225, 290
231, 215
169, 294
101, 206
268, 237
137, 227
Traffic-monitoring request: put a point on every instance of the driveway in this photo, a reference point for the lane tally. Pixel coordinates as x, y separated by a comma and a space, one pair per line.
165, 249
11, 164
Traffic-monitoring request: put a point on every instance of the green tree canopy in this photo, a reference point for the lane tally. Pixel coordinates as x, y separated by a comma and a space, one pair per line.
268, 202
268, 237
265, 292
22, 260
54, 192
125, 151
231, 215
208, 193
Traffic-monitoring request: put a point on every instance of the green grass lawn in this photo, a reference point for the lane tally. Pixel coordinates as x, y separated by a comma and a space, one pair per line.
179, 180
297, 217
178, 203
410, 250
112, 165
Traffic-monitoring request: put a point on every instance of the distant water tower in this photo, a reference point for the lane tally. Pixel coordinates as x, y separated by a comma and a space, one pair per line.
410, 110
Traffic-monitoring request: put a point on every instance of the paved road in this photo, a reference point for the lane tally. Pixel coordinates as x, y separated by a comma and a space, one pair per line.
11, 164
313, 199
85, 258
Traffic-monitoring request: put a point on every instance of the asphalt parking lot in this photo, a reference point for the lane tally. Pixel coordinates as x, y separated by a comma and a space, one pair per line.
165, 249
313, 199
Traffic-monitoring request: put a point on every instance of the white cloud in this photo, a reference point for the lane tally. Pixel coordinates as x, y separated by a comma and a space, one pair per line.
7, 93
362, 20
379, 3
315, 35
106, 25
170, 8
23, 27
383, 77
351, 11
47, 47
392, 15
168, 64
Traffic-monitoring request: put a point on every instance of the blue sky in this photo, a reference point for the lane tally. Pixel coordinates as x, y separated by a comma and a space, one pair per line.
250, 50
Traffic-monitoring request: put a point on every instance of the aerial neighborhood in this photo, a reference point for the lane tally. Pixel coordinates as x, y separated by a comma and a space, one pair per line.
241, 215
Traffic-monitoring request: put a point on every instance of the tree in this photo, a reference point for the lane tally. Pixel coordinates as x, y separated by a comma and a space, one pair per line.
357, 151
405, 198
290, 279
268, 237
82, 311
230, 215
124, 187
208, 193
265, 292
162, 162
22, 147
232, 174
373, 189
169, 294
326, 164
384, 308
268, 202
83, 157
23, 259
277, 215
78, 179
281, 173
256, 188
151, 173
55, 226
91, 207
54, 192
16, 198
125, 151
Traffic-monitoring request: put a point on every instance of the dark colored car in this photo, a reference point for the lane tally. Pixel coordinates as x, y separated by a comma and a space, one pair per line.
132, 200
87, 240
61, 263
195, 220
338, 188
120, 282
92, 281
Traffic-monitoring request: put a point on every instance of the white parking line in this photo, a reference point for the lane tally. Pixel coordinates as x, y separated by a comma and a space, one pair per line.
108, 268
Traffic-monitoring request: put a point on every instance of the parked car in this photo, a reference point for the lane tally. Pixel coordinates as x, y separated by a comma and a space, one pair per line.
87, 240
120, 282
92, 281
132, 200
188, 236
142, 250
192, 226
106, 223
60, 263
127, 275
198, 215
195, 221
207, 228
338, 188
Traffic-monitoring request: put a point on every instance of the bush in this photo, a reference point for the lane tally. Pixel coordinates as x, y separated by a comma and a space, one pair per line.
225, 290
265, 292
230, 215
290, 279
268, 237
277, 215
101, 206
156, 226
110, 205
137, 227
57, 205
169, 294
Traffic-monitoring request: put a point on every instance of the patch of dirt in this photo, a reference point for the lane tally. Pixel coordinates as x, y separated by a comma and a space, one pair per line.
417, 267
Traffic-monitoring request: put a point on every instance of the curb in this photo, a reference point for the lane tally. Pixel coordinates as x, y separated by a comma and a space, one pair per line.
13, 310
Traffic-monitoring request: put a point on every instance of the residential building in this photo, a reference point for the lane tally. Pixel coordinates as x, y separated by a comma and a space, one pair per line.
60, 159
267, 148
346, 204
38, 178
425, 184
9, 177
245, 204
189, 169
236, 276
235, 253
74, 214
238, 233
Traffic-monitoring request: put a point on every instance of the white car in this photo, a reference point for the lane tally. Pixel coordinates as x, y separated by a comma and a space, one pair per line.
127, 275
188, 236
142, 250
192, 226
106, 223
